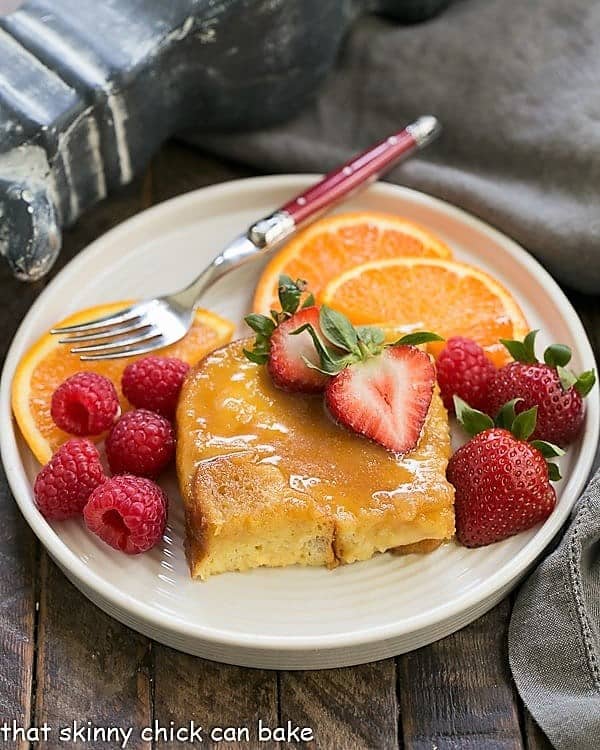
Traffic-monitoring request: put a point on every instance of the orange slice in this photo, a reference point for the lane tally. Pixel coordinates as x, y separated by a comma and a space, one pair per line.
336, 243
47, 364
450, 298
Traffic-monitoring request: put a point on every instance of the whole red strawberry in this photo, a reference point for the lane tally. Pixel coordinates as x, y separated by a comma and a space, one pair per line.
284, 351
502, 482
463, 370
557, 393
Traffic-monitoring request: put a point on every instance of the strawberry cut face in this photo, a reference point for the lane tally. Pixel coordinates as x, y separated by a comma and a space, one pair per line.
385, 398
289, 352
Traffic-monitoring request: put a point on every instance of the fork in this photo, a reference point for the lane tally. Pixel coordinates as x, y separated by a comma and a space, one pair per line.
154, 323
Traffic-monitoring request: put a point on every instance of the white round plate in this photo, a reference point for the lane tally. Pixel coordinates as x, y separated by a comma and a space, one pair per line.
293, 618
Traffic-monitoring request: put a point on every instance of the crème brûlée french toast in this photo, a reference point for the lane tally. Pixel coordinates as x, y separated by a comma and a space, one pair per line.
269, 479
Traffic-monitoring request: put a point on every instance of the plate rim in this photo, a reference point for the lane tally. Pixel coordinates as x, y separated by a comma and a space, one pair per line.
505, 576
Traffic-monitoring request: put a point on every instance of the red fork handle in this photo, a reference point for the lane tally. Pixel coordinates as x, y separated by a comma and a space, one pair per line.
361, 169
268, 232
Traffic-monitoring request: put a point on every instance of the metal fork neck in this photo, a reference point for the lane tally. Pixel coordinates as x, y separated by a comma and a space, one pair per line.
261, 238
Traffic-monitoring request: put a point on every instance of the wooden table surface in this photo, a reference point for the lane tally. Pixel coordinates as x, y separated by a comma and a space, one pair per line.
63, 660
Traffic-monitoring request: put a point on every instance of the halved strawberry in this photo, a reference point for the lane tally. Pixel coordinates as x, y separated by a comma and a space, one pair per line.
275, 345
288, 353
385, 397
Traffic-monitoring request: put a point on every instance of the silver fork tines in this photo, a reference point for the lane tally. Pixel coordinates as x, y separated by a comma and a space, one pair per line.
119, 344
138, 329
124, 316
111, 333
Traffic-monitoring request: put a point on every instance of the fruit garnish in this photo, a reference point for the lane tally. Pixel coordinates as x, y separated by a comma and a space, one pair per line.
85, 404
334, 244
47, 364
63, 486
293, 362
154, 383
141, 443
378, 390
464, 370
502, 481
292, 295
286, 355
128, 513
454, 299
549, 385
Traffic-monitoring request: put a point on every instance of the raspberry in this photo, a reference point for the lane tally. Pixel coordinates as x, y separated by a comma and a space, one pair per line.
154, 383
465, 371
128, 513
63, 486
140, 443
85, 404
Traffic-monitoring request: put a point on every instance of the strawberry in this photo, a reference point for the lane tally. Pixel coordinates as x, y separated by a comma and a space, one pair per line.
285, 355
385, 397
380, 391
557, 393
289, 354
502, 481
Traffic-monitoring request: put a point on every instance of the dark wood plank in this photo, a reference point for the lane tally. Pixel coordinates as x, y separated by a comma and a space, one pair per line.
18, 550
588, 308
214, 696
458, 693
535, 739
348, 709
177, 169
17, 612
90, 668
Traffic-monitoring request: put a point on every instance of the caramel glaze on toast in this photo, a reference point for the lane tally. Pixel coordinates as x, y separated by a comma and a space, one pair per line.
269, 479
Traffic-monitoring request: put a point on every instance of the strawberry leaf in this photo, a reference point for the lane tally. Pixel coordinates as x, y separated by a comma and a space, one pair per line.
473, 421
557, 355
331, 363
553, 472
259, 357
416, 338
260, 324
309, 301
371, 336
585, 382
524, 424
548, 450
507, 414
338, 330
566, 377
289, 293
522, 351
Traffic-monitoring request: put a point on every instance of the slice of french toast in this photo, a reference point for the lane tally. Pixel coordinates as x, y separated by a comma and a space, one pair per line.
268, 479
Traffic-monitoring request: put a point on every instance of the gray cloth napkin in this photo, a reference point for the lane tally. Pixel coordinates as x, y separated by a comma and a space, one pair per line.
554, 637
515, 85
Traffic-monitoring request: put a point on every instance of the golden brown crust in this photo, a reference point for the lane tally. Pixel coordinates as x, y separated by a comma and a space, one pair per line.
418, 548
